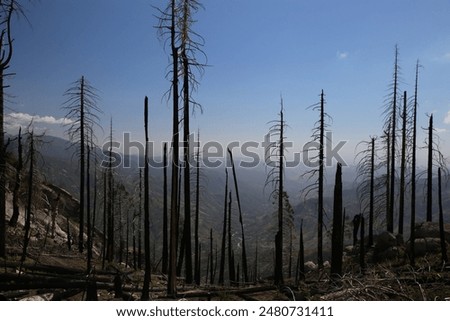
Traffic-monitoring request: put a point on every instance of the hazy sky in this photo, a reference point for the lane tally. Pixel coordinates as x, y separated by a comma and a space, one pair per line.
257, 50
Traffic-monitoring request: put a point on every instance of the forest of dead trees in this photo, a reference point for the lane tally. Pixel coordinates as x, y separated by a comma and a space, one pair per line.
115, 217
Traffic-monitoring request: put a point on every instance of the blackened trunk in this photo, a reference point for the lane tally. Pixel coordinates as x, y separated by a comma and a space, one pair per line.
336, 242
147, 275
29, 201
197, 214
231, 271
412, 237
241, 219
372, 191
165, 248
17, 183
172, 275
320, 182
390, 218
401, 212
82, 168
430, 172
224, 233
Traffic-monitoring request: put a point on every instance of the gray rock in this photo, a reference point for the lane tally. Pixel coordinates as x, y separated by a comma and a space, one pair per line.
431, 230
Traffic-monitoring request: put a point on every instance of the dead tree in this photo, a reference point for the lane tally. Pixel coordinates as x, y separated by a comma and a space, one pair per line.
224, 233
241, 218
318, 137
197, 266
17, 183
82, 108
275, 177
146, 286
413, 170
401, 212
165, 248
168, 28
391, 126
336, 239
6, 52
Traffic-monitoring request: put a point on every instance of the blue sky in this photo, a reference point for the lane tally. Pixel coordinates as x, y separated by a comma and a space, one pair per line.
257, 51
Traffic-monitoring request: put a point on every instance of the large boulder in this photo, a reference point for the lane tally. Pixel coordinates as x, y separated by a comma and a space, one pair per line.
388, 247
431, 230
427, 245
384, 241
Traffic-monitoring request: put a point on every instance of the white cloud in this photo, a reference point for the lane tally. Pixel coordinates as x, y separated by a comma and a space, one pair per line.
342, 55
25, 119
440, 130
447, 118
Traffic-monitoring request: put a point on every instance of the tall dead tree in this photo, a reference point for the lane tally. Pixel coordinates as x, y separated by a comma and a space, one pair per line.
165, 248
197, 218
391, 125
231, 270
146, 286
367, 188
17, 183
241, 218
430, 171
28, 211
413, 170
110, 202
336, 239
300, 270
224, 233
82, 109
275, 177
318, 170
168, 28
7, 9
401, 212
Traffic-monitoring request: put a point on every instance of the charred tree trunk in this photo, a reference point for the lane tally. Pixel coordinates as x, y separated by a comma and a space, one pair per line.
140, 222
413, 172
401, 212
372, 191
390, 218
337, 248
17, 183
172, 275
300, 271
147, 275
6, 51
29, 200
430, 172
105, 218
321, 179
279, 236
231, 271
165, 248
110, 246
224, 233
88, 210
241, 219
197, 214
211, 255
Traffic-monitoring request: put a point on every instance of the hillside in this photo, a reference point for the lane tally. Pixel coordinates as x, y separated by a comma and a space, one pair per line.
52, 255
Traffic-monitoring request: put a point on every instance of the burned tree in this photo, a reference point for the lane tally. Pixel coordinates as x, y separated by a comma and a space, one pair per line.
318, 139
275, 159
82, 109
7, 9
